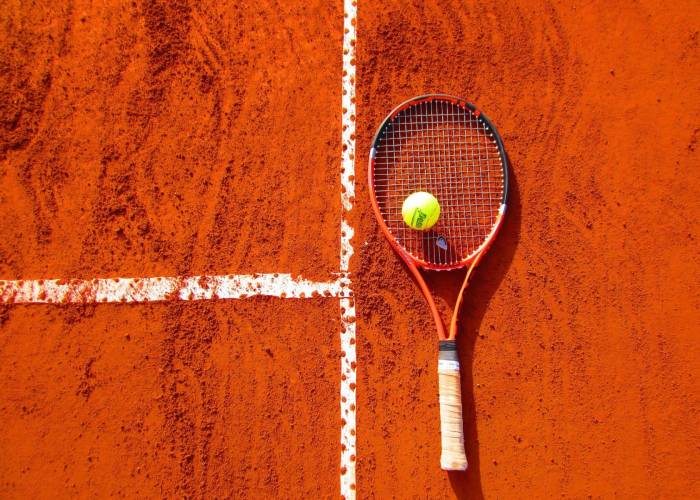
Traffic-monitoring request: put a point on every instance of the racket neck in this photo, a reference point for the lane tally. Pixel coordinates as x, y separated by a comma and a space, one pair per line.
454, 323
439, 325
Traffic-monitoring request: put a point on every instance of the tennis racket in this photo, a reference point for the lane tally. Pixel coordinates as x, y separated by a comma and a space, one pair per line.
445, 146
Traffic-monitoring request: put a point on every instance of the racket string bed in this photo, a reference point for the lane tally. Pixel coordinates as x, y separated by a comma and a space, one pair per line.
447, 150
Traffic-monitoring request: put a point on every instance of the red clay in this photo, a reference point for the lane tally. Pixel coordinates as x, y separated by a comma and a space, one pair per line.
165, 138
162, 138
178, 138
579, 330
163, 400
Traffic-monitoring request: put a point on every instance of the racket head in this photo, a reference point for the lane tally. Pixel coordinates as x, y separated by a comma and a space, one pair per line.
444, 145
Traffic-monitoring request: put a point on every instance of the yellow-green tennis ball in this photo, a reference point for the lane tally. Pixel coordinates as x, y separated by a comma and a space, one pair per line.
420, 211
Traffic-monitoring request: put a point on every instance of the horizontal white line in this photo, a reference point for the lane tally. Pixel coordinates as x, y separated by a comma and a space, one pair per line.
232, 286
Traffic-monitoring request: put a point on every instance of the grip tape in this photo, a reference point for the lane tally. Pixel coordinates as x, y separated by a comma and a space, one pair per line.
453, 456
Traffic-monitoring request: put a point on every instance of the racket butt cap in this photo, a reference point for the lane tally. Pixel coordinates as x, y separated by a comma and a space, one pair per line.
452, 467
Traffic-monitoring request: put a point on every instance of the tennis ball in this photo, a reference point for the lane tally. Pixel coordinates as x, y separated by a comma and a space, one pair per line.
420, 210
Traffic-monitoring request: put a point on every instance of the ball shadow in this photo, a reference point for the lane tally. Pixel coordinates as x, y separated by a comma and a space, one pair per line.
483, 284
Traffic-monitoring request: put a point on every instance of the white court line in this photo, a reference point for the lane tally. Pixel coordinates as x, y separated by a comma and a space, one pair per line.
100, 290
348, 376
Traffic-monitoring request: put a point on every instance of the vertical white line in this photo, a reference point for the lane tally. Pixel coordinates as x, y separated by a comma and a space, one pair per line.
348, 361
348, 381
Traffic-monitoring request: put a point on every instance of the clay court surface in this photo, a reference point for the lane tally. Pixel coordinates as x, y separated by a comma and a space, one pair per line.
174, 139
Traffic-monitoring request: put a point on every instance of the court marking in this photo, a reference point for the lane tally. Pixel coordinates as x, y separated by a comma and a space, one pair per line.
164, 288
348, 363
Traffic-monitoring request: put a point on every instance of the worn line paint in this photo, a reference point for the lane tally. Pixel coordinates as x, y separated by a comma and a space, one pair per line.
346, 250
348, 376
106, 290
348, 399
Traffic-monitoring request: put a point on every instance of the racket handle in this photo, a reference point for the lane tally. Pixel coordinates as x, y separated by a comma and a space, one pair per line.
451, 429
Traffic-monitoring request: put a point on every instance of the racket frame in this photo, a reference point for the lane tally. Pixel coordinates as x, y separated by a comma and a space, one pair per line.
453, 455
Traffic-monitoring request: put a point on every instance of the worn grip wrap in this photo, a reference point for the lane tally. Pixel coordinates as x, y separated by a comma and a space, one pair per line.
452, 432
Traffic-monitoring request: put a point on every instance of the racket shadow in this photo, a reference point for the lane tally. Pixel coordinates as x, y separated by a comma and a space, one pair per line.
484, 282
